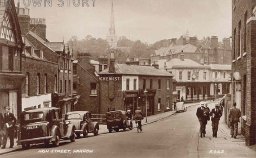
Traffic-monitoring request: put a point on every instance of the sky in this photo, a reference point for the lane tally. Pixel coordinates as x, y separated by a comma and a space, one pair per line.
145, 20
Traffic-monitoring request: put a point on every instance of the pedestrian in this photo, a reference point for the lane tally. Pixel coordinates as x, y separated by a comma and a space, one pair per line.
215, 117
2, 131
234, 115
200, 114
9, 121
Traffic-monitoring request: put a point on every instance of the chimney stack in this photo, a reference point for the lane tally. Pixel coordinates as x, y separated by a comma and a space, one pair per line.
38, 26
214, 42
24, 19
112, 61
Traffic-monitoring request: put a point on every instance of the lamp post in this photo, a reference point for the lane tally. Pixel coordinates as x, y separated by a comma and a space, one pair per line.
146, 102
215, 86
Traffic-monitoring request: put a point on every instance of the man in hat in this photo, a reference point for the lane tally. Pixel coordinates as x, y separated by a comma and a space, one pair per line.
215, 117
234, 115
10, 121
200, 116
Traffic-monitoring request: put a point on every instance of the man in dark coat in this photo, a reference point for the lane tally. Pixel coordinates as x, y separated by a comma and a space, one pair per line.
216, 113
200, 116
10, 121
2, 131
234, 115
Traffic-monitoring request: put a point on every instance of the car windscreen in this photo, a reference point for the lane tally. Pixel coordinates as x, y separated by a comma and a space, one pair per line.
73, 116
33, 117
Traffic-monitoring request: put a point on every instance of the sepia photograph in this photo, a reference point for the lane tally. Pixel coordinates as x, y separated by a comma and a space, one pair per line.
127, 78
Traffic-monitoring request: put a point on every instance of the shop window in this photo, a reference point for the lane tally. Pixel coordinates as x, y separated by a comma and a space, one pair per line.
127, 84
135, 84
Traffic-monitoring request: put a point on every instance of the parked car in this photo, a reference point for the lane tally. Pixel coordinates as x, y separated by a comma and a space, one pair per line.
181, 107
83, 123
44, 125
117, 120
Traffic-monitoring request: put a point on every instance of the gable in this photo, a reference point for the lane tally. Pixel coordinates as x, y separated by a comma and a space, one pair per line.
9, 24
7, 29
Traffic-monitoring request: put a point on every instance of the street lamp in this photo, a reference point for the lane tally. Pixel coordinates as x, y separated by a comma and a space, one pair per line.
215, 85
146, 102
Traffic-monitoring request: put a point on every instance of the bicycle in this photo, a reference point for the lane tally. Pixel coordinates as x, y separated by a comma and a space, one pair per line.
139, 126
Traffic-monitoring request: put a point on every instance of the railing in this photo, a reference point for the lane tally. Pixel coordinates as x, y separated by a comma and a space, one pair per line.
101, 118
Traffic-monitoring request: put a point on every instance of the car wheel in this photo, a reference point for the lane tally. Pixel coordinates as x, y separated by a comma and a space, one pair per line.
110, 130
78, 135
73, 136
25, 145
46, 143
117, 129
85, 134
96, 131
56, 142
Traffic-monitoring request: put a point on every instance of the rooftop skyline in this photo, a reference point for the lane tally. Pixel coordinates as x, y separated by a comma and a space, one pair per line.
145, 20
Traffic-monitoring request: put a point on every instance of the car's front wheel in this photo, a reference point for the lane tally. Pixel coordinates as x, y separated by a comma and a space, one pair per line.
96, 131
73, 136
85, 133
56, 142
109, 130
117, 129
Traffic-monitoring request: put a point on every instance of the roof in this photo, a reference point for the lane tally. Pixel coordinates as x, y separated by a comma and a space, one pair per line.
174, 49
94, 62
125, 69
220, 67
41, 109
178, 63
56, 46
38, 38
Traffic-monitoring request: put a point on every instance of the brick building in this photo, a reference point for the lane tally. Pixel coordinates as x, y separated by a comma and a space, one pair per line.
243, 65
128, 86
47, 66
11, 46
86, 83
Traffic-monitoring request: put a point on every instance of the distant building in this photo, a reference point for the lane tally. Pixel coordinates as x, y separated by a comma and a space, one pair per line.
206, 51
125, 87
138, 61
11, 46
196, 81
244, 66
86, 83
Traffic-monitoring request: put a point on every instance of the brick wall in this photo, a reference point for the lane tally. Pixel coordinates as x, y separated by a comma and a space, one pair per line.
86, 75
35, 66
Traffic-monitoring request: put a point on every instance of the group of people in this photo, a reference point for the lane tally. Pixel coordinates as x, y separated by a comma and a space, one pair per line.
204, 114
7, 127
138, 116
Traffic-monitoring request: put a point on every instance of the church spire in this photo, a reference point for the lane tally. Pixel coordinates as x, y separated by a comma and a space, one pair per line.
112, 39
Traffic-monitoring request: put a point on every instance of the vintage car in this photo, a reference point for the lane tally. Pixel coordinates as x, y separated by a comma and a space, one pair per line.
181, 107
117, 120
44, 125
83, 122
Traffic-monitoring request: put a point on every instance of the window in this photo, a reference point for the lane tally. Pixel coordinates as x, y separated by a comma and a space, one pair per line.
151, 83
224, 74
105, 67
216, 74
45, 84
168, 83
159, 83
239, 40
38, 84
189, 75
27, 84
245, 29
234, 44
55, 83
205, 73
65, 86
75, 69
135, 84
127, 84
144, 83
93, 89
100, 68
180, 75
61, 86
